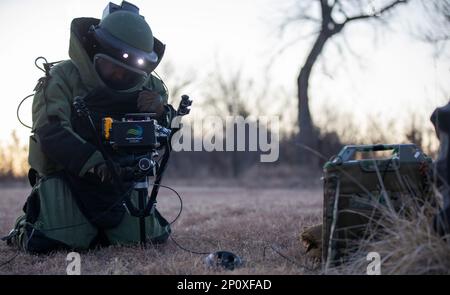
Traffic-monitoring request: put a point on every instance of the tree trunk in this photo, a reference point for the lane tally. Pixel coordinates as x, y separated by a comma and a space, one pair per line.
308, 135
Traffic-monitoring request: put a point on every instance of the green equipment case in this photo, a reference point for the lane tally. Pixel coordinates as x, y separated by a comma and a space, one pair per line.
358, 181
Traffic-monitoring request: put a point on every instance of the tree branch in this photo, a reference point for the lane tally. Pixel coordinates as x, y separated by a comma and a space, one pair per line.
287, 46
377, 13
326, 10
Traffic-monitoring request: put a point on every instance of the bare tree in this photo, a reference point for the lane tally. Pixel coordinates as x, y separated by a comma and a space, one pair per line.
328, 18
227, 94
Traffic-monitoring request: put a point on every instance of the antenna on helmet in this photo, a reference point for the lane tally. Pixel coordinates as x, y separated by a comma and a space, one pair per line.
111, 7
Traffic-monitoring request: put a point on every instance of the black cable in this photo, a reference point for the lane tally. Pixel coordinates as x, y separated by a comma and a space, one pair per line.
23, 100
18, 109
45, 62
47, 65
300, 265
10, 259
175, 219
186, 249
179, 198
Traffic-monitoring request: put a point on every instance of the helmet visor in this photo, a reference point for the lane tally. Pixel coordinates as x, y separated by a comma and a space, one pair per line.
117, 75
107, 44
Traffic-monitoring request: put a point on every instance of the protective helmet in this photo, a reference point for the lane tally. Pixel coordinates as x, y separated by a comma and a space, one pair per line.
123, 48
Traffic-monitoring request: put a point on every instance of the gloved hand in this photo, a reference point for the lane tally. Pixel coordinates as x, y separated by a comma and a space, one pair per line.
150, 102
105, 175
311, 239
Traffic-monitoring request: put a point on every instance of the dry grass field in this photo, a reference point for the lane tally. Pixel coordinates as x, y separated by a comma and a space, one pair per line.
217, 216
251, 219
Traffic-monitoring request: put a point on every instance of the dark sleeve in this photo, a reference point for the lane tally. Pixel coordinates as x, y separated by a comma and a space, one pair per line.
61, 145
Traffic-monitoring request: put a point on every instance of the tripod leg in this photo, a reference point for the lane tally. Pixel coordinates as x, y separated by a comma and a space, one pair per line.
142, 199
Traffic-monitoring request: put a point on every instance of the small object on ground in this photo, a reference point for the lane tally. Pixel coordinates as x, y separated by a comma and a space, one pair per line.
311, 238
224, 259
